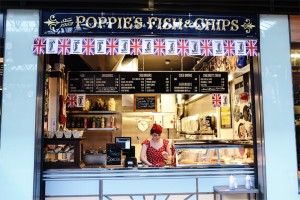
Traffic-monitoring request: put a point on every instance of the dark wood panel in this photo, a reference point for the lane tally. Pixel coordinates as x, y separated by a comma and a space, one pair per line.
254, 6
295, 28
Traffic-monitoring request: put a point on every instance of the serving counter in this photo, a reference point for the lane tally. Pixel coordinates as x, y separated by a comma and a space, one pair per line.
137, 183
185, 181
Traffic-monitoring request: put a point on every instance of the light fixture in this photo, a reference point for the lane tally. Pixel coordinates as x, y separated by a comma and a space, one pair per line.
167, 62
295, 55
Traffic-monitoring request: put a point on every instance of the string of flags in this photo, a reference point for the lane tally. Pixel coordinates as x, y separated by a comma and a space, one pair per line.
144, 46
219, 100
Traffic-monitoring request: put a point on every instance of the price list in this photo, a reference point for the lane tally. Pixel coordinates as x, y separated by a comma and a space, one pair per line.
212, 82
185, 83
107, 83
147, 82
81, 83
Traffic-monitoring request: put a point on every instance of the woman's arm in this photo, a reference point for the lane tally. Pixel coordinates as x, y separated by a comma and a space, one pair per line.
143, 156
168, 153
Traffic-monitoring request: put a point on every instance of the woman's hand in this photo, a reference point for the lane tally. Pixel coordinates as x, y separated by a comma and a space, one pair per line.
165, 155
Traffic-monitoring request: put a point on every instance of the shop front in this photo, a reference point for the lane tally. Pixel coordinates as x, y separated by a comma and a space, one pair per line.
103, 79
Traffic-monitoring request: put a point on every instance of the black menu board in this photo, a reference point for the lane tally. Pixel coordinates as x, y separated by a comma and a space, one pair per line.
147, 82
144, 103
113, 154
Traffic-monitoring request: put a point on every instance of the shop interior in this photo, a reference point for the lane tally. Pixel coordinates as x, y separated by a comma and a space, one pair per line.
184, 117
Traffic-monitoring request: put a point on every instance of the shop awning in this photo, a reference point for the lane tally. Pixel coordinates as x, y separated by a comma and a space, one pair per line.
144, 46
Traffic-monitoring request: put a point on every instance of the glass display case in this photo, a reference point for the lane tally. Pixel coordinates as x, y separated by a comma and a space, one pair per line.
62, 153
213, 152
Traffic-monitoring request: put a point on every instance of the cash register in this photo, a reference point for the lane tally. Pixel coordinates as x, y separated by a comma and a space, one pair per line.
124, 144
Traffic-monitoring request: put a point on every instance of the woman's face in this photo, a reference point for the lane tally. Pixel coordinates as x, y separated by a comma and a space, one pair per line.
156, 136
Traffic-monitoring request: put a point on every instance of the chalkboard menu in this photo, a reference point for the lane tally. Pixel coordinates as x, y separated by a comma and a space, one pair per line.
113, 155
144, 103
147, 82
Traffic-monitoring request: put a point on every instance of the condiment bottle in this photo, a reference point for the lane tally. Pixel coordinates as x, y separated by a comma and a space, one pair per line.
81, 121
248, 182
102, 122
94, 122
112, 122
231, 183
85, 122
98, 122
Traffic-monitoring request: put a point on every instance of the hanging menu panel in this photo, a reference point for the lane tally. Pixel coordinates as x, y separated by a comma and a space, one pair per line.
147, 82
211, 82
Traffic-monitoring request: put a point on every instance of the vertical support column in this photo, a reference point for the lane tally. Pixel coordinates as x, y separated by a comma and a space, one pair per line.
18, 133
277, 147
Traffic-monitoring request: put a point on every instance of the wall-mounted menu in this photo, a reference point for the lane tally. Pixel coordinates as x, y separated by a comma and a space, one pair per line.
147, 82
145, 103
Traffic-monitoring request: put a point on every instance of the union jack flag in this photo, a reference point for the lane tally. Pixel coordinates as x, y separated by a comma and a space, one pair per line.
64, 46
206, 48
159, 47
72, 101
39, 46
251, 47
229, 47
112, 46
136, 46
183, 47
216, 100
88, 46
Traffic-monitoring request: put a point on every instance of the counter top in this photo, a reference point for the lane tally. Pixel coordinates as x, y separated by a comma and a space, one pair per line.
141, 172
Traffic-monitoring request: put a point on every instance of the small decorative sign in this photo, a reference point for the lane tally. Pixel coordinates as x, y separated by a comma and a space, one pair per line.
145, 103
113, 155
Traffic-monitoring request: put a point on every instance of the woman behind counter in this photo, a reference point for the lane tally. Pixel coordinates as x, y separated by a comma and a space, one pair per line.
155, 150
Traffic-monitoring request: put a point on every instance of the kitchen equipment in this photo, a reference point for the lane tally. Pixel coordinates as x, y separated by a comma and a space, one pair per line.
130, 162
94, 159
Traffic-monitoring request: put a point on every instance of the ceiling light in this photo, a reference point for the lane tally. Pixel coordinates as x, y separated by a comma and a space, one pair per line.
294, 55
167, 62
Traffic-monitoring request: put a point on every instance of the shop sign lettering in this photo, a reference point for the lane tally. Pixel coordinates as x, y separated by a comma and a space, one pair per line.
70, 23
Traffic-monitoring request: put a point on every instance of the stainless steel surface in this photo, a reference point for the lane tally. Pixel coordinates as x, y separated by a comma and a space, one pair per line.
142, 173
258, 128
94, 159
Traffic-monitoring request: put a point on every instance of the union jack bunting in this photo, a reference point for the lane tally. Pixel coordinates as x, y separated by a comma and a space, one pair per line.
139, 46
112, 45
136, 46
251, 47
216, 100
88, 47
64, 46
229, 47
39, 46
72, 101
183, 47
159, 47
206, 48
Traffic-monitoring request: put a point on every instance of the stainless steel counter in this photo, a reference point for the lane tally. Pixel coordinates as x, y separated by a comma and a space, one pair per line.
105, 183
142, 172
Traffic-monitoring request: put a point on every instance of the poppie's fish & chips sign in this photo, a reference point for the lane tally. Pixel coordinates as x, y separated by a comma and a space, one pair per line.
148, 24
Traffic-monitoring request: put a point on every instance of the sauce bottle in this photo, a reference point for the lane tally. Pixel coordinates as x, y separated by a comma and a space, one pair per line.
94, 122
102, 122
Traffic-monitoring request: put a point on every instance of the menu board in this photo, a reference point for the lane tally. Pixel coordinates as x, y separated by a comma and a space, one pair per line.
144, 103
147, 82
113, 154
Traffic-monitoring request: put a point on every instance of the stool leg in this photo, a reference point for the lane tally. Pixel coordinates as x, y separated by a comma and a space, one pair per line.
221, 196
215, 196
249, 196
